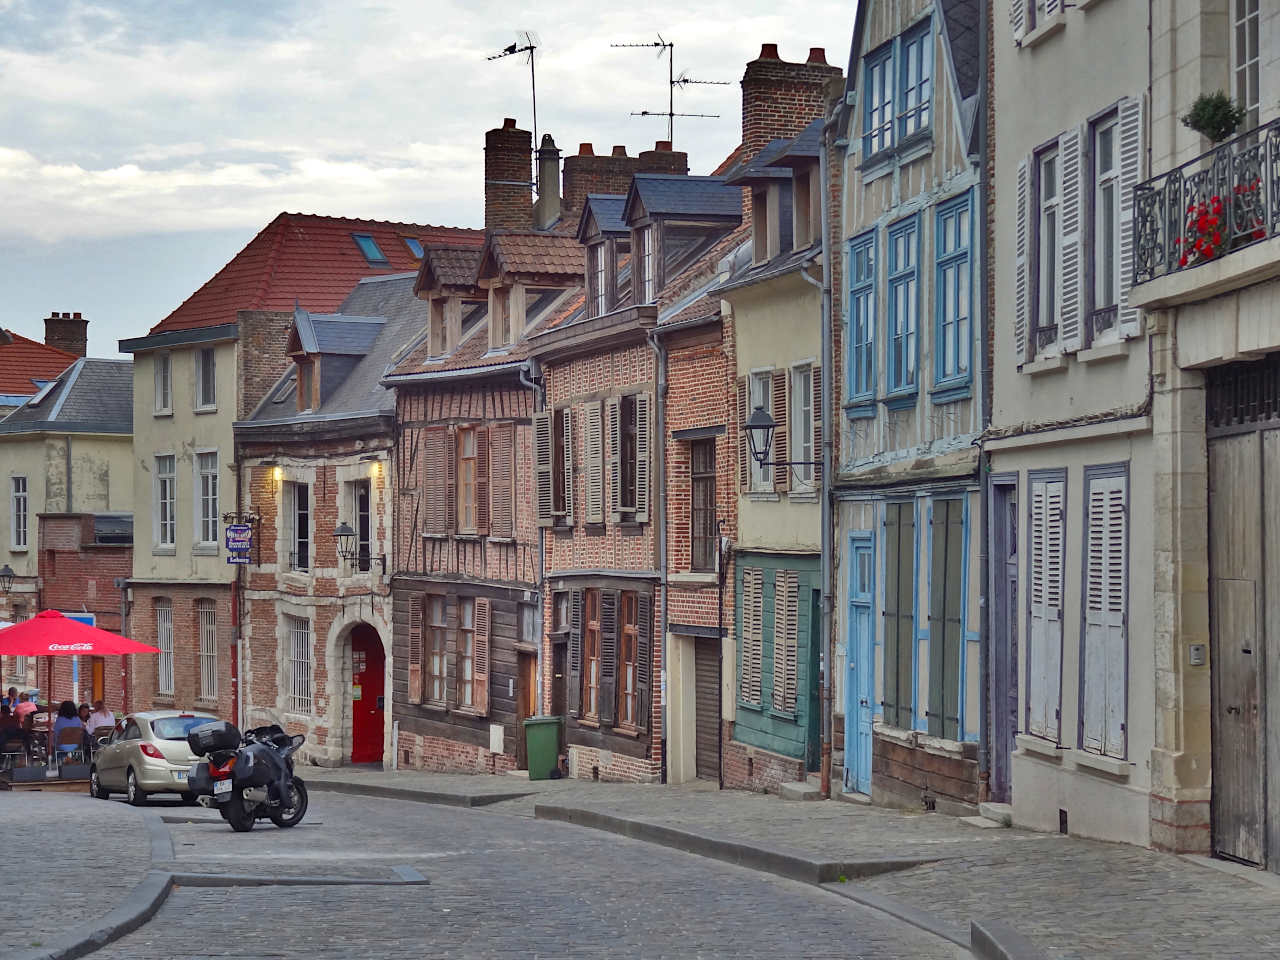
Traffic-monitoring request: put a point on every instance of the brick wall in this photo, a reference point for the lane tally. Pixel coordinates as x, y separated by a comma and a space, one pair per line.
751, 768
780, 98
143, 693
585, 173
508, 190
441, 755
922, 779
260, 355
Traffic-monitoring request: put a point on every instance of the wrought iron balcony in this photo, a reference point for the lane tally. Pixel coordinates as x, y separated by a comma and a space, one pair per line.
1203, 210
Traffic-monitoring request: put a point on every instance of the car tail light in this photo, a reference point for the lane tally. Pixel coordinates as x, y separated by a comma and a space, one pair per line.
152, 751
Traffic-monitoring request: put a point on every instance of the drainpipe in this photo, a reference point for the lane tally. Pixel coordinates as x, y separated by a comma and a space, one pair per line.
237, 616
529, 377
660, 515
984, 471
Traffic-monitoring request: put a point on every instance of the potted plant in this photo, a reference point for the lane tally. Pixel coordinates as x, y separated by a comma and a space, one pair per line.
1215, 115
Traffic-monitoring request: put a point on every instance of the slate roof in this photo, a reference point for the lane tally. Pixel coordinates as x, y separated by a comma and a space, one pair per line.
91, 396
763, 166
341, 334
961, 19
543, 254
24, 361
606, 209
448, 266
805, 147
308, 258
666, 194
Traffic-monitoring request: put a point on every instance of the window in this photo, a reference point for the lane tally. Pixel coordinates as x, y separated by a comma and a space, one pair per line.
467, 480
1244, 57
298, 664
207, 485
801, 435
164, 642
628, 688
208, 631
18, 513
628, 452
952, 300
915, 63
415, 247
599, 280
648, 266
760, 384
1106, 215
946, 617
369, 247
298, 525
702, 508
554, 432
1046, 536
878, 103
163, 363
206, 383
862, 318
466, 650
166, 493
437, 664
751, 631
591, 656
903, 305
1104, 703
1049, 225
306, 385
363, 523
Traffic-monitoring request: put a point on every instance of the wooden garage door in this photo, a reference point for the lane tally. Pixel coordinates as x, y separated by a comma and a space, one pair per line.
706, 666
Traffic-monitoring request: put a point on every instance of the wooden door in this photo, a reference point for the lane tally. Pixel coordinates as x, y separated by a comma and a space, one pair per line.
1235, 597
706, 669
526, 702
367, 682
861, 672
97, 679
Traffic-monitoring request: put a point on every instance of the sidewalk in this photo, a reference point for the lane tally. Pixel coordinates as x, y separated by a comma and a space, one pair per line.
1073, 899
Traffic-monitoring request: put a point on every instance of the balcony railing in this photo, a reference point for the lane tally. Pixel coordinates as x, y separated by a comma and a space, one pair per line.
1221, 201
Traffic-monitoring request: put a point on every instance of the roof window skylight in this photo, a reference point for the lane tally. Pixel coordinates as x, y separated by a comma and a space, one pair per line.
369, 247
415, 247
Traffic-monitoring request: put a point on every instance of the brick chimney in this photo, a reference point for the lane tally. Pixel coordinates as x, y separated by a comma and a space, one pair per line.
587, 173
779, 98
508, 191
546, 210
67, 331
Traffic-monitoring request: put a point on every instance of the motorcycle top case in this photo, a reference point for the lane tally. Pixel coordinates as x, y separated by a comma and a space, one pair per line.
208, 737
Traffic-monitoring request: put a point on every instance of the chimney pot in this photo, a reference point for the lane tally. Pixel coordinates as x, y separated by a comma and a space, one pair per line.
619, 151
817, 55
586, 150
662, 145
509, 123
768, 51
76, 315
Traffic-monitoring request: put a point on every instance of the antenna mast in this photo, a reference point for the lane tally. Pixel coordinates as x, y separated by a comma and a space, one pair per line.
668, 47
526, 42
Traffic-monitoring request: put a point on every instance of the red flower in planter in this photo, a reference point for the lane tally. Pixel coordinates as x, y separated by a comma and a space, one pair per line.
1259, 234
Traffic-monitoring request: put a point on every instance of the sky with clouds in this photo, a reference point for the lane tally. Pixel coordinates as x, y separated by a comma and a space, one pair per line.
144, 142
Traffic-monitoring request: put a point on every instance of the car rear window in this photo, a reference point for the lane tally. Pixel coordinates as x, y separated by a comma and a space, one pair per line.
177, 728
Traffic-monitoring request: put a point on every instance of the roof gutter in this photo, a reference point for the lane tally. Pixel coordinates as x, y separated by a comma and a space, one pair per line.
175, 338
462, 373
665, 328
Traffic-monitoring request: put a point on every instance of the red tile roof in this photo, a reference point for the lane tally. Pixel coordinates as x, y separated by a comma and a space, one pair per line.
23, 360
448, 267
543, 254
308, 258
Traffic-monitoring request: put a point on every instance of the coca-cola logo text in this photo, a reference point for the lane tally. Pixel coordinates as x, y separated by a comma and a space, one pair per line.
70, 646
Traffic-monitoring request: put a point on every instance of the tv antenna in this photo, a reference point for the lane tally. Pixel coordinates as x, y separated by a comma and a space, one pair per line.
526, 42
668, 48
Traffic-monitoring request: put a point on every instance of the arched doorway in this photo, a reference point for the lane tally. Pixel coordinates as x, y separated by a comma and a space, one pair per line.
367, 680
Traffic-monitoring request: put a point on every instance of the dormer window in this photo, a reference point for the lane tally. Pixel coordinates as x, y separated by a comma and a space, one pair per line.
647, 265
499, 317
598, 278
761, 228
806, 207
437, 335
306, 384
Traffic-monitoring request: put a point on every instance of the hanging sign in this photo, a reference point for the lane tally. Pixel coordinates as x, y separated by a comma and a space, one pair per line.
239, 539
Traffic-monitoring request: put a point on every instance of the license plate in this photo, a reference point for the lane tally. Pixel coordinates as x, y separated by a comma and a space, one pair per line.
221, 786
181, 774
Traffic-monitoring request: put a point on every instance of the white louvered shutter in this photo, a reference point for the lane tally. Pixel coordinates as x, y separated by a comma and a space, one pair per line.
785, 639
1046, 545
1130, 126
568, 466
542, 473
1051, 7
1021, 300
594, 455
643, 454
752, 634
614, 417
1106, 606
1070, 323
1018, 19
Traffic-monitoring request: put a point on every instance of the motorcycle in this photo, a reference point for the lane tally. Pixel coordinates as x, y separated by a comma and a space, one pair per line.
247, 777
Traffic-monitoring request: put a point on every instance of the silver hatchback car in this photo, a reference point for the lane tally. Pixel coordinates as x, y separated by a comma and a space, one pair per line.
146, 753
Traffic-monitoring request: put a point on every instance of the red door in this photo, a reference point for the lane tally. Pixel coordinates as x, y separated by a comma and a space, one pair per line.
366, 695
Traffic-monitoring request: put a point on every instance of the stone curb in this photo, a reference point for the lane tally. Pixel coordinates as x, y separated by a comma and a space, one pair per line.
138, 907
992, 940
417, 796
249, 880
901, 911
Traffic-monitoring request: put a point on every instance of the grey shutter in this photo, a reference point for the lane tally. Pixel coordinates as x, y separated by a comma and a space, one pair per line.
899, 616
435, 463
946, 618
1021, 293
785, 639
1018, 19
567, 414
609, 606
481, 490
594, 453
1130, 126
749, 679
1045, 595
643, 455
615, 459
1073, 209
542, 474
937, 611
889, 695
575, 654
502, 492
1106, 604
644, 658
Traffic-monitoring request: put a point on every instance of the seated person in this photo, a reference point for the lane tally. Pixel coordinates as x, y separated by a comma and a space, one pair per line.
101, 716
26, 706
10, 728
11, 700
67, 719
83, 714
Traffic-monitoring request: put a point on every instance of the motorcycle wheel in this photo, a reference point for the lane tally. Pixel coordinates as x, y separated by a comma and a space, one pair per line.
240, 817
291, 816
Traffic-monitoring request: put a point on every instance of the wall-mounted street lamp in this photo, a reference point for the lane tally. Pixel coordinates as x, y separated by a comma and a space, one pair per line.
349, 551
760, 427
6, 578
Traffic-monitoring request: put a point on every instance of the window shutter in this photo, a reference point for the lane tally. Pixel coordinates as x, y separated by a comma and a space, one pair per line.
889, 695
480, 656
1130, 124
644, 658
609, 603
451, 481
1045, 653
815, 375
744, 453
899, 616
1106, 605
643, 455
435, 457
1018, 19
575, 653
1051, 7
937, 611
542, 453
780, 395
946, 617
415, 649
482, 481
595, 463
1021, 293
1073, 204
749, 680
615, 459
785, 639
568, 465
502, 479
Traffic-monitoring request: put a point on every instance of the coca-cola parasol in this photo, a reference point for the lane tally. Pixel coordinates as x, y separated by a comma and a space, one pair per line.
50, 634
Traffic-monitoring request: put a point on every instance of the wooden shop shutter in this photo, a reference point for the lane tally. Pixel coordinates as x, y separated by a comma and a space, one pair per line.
1130, 124
1018, 19
1045, 595
502, 479
899, 613
434, 464
480, 655
542, 474
644, 657
749, 679
744, 452
815, 373
785, 639
1021, 290
614, 407
1070, 321
575, 653
451, 480
415, 649
780, 395
946, 618
643, 455
609, 606
567, 414
595, 463
1105, 612
482, 481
